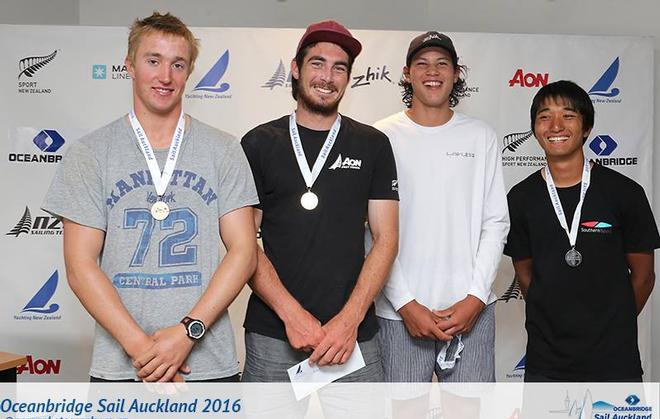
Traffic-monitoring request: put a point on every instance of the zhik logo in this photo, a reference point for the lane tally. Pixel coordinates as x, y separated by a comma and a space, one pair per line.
528, 79
603, 86
39, 303
30, 65
48, 141
40, 366
43, 225
603, 145
211, 81
279, 78
99, 72
347, 163
372, 75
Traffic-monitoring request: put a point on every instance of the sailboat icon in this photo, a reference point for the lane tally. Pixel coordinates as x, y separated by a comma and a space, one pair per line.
38, 303
603, 86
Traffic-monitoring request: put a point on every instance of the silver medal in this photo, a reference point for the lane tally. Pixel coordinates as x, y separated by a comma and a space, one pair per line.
573, 258
160, 210
309, 200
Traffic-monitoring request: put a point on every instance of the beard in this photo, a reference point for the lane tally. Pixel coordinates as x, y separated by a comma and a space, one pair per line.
318, 107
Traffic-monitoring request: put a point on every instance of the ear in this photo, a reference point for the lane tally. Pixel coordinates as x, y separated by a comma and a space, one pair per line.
585, 135
406, 74
295, 71
129, 66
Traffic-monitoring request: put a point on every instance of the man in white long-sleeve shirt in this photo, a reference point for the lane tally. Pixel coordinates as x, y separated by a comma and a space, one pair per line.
436, 311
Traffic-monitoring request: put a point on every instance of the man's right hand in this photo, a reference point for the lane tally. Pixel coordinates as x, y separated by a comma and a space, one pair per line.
303, 330
421, 322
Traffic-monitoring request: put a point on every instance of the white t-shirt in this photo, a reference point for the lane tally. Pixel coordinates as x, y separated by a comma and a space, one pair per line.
453, 213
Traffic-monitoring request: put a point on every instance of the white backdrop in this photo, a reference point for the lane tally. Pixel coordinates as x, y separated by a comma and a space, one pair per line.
76, 83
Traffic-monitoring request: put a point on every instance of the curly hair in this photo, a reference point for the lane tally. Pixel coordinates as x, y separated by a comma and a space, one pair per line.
457, 93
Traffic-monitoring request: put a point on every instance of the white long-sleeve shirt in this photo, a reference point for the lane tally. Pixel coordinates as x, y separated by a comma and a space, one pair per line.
453, 213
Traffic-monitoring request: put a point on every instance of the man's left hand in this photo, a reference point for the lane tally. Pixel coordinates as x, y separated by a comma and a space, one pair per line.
460, 317
339, 341
165, 358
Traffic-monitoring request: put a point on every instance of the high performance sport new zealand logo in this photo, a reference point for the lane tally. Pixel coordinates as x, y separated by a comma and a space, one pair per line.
512, 293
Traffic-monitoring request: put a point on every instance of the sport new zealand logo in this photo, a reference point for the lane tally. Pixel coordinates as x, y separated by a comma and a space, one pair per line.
30, 65
513, 141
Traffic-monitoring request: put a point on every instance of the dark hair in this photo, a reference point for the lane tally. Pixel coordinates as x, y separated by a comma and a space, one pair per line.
458, 92
300, 57
569, 92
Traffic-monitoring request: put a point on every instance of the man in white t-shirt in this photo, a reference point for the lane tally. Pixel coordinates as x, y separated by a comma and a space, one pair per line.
436, 311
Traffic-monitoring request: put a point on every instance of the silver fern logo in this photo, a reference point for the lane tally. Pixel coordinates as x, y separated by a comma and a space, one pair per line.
512, 293
27, 68
23, 226
279, 78
515, 140
43, 225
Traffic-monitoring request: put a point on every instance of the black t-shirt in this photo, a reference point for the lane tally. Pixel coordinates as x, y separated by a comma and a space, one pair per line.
581, 322
317, 254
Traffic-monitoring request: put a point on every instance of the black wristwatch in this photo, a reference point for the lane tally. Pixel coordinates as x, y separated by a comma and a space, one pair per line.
195, 329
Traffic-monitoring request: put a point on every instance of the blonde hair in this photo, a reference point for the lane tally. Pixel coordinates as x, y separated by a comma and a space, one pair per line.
168, 24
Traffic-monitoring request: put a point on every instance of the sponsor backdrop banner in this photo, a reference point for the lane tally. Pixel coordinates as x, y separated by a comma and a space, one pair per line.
58, 83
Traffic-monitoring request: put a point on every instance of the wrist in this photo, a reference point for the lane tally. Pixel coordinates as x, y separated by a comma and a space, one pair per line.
135, 346
195, 329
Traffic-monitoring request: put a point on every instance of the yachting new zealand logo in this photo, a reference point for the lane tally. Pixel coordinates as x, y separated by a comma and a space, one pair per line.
279, 78
602, 91
212, 81
39, 307
27, 68
42, 225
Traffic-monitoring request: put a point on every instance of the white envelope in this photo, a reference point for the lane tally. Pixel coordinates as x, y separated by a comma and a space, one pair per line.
306, 378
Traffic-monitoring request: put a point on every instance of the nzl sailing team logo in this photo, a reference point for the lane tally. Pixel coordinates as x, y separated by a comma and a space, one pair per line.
279, 78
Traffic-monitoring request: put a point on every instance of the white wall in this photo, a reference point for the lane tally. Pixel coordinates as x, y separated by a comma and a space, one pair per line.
586, 17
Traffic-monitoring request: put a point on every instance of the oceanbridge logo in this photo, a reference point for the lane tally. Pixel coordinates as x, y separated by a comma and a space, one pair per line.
48, 141
212, 81
40, 307
602, 91
587, 408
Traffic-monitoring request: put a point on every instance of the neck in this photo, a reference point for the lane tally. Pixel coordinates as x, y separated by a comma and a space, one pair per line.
313, 120
566, 171
429, 116
159, 128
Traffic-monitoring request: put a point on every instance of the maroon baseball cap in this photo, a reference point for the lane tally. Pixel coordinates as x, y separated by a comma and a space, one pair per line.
330, 31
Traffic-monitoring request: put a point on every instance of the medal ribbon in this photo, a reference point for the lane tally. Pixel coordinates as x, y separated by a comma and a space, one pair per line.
310, 175
556, 203
160, 180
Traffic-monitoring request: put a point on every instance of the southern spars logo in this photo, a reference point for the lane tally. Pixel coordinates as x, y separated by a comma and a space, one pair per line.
211, 86
603, 146
28, 67
279, 78
512, 293
605, 90
38, 366
521, 78
597, 227
40, 307
518, 370
346, 163
41, 226
117, 72
373, 74
49, 142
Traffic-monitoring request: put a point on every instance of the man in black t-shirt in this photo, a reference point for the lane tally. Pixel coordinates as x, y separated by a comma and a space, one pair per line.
582, 239
319, 176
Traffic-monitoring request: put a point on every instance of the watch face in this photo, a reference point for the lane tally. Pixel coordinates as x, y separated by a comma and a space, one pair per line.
196, 329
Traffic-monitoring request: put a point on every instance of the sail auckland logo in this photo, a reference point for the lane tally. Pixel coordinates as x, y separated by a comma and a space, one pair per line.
604, 90
40, 306
211, 86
